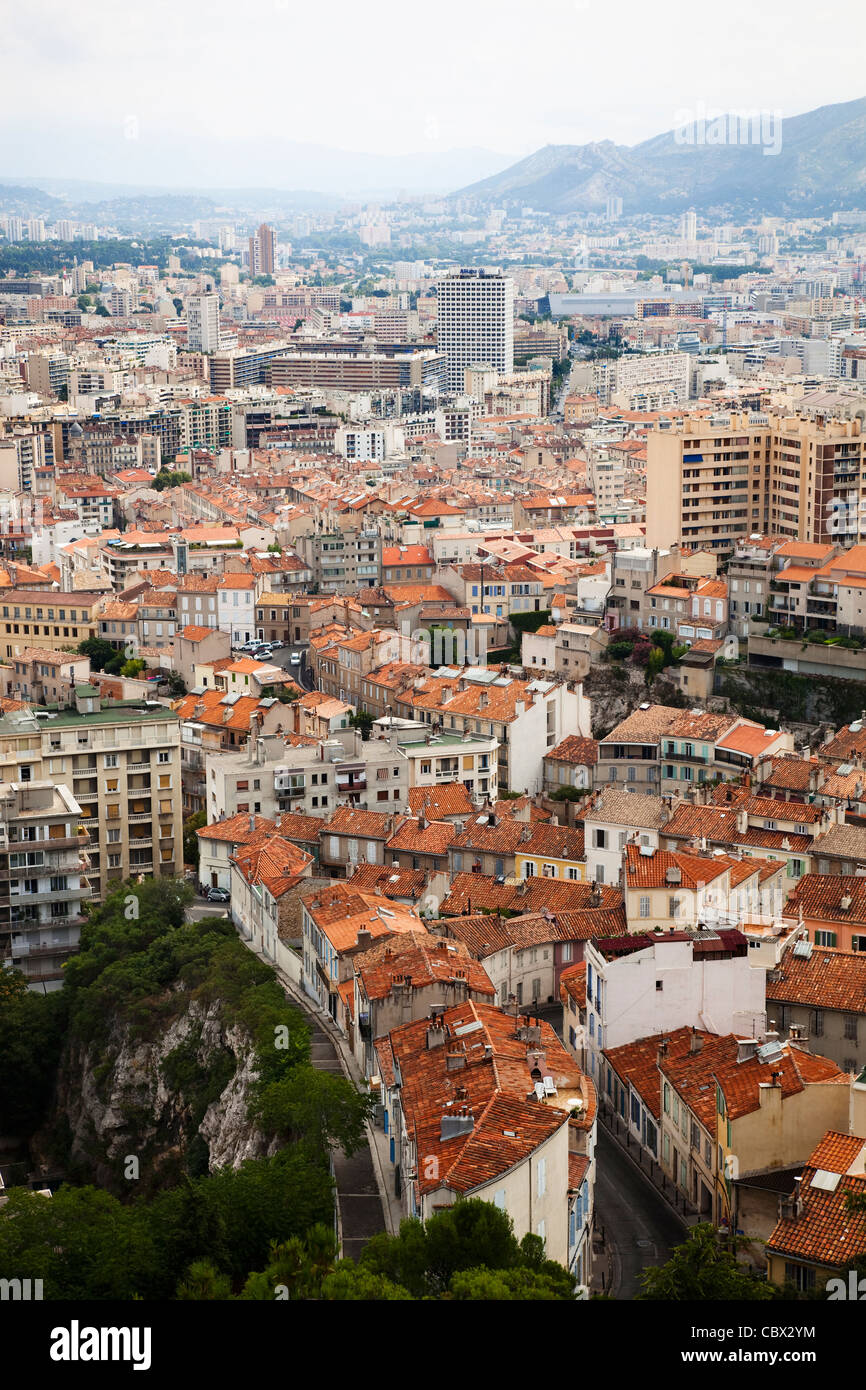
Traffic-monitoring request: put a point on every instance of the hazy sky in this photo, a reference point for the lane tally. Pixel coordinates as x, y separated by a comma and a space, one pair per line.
393, 76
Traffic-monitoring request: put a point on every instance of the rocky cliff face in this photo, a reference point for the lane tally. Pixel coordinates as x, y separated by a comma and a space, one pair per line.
146, 1110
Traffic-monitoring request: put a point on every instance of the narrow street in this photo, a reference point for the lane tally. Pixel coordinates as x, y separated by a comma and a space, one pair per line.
640, 1228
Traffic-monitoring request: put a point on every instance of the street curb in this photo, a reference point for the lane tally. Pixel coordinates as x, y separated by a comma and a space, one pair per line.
684, 1222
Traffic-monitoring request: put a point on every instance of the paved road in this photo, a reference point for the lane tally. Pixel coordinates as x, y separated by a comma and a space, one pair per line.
302, 674
638, 1223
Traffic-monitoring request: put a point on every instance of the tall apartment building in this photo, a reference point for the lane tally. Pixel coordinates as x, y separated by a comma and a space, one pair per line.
43, 860
263, 251
203, 322
350, 367
664, 375
342, 561
713, 481
21, 453
475, 323
121, 763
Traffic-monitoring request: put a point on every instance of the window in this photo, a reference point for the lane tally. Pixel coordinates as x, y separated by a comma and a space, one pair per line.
660, 984
111, 760
541, 1172
644, 907
800, 1276
825, 938
667, 1098
817, 1023
851, 1027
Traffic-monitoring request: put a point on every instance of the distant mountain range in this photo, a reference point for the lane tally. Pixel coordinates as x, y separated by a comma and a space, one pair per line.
806, 163
104, 164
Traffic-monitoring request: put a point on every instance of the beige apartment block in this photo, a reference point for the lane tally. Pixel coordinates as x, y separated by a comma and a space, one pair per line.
121, 762
714, 480
43, 862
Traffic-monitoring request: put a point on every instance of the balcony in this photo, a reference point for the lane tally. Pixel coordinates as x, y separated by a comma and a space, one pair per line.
138, 767
685, 758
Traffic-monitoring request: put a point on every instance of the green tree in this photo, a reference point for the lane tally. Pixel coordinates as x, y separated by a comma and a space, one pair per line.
32, 1028
470, 1236
363, 720
190, 838
702, 1268
102, 311
204, 1283
169, 477
133, 668
317, 1110
176, 684
655, 664
99, 651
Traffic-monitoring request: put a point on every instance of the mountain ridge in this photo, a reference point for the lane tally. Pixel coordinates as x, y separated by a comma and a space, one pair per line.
813, 160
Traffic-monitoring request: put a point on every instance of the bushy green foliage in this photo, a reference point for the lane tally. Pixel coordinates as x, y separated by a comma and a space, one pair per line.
702, 1268
32, 1028
529, 622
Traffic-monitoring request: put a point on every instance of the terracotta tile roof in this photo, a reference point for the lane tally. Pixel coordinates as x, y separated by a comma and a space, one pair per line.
274, 862
423, 837
483, 934
818, 897
704, 725
236, 830
477, 891
651, 871
296, 827
578, 1167
572, 984
450, 800
196, 634
637, 1062
369, 825
502, 838
826, 1232
555, 842
614, 806
391, 883
494, 1084
510, 808
644, 725
789, 773
741, 1081
843, 841
575, 749
827, 979
421, 959
341, 912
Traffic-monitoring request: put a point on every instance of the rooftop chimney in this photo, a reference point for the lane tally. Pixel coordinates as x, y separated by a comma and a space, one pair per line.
456, 1124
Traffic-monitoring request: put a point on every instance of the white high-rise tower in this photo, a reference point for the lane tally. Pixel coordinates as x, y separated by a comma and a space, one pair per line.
203, 322
476, 323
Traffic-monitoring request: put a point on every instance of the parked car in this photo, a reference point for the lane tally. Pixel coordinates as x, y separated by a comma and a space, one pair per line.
218, 895
276, 644
295, 659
